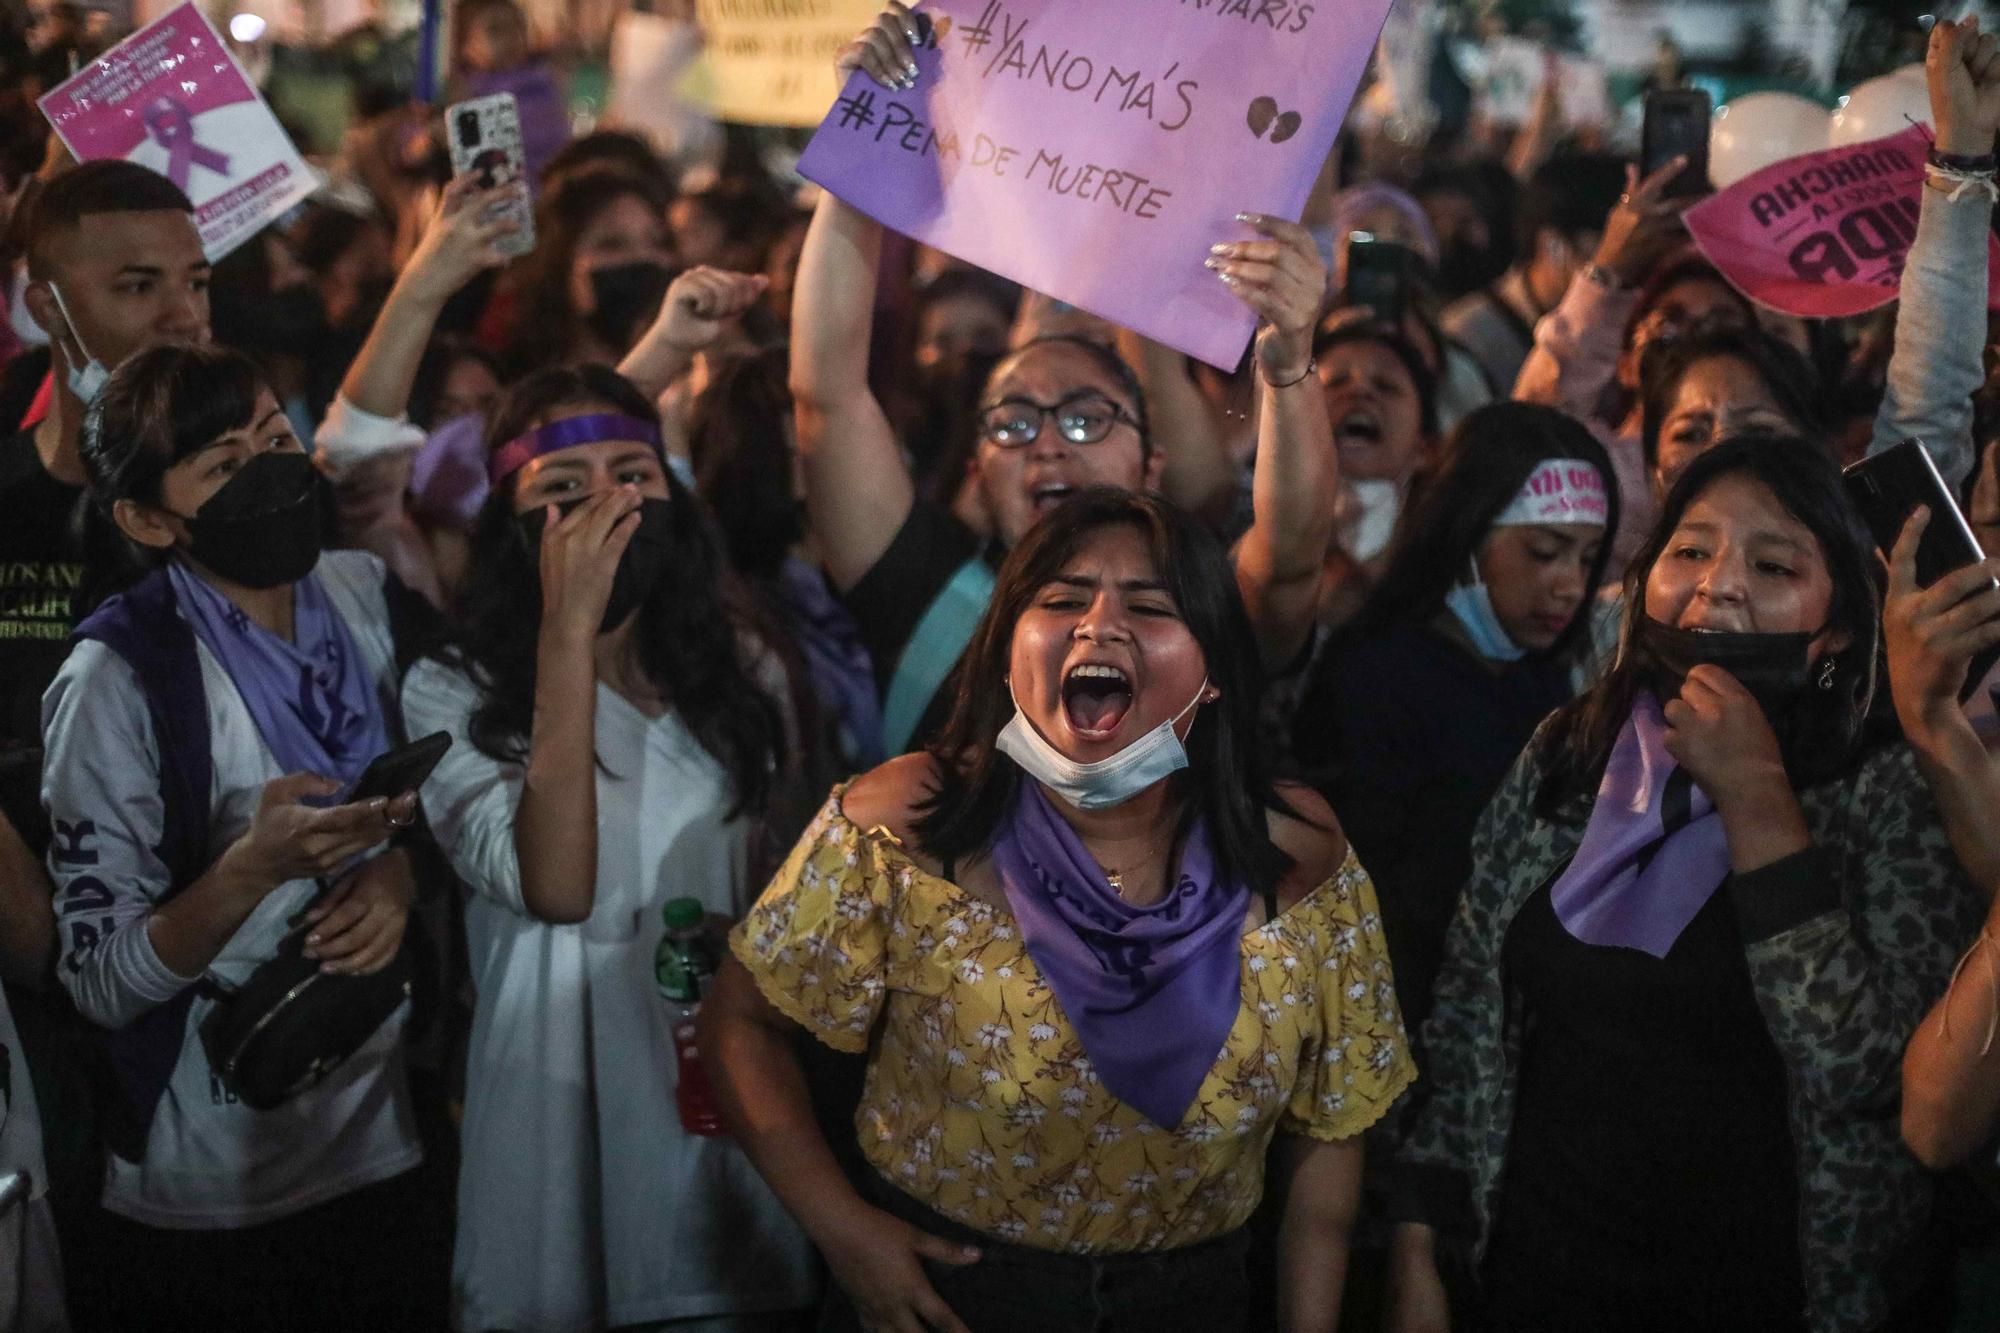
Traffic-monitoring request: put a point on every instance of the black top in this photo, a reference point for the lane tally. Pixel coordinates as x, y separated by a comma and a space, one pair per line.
1408, 734
1650, 1169
51, 562
892, 597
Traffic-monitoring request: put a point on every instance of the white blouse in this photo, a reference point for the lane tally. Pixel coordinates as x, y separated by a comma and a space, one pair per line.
582, 1203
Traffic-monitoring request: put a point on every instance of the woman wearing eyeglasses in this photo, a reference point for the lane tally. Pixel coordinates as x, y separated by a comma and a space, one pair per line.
1058, 415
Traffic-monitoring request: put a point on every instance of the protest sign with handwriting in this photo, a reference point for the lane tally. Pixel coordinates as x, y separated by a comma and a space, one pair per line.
770, 62
1825, 235
172, 98
1095, 152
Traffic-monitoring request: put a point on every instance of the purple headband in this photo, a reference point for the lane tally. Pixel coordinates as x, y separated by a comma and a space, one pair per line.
568, 433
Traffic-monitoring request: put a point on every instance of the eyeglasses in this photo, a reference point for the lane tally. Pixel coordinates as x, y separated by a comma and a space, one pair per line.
1081, 418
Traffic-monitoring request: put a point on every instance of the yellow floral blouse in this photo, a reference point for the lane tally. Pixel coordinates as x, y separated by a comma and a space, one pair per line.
979, 1100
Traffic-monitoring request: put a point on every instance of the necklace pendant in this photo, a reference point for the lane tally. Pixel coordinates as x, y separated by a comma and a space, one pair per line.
1117, 884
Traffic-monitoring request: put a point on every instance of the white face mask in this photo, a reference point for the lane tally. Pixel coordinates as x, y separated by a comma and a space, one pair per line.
1472, 603
19, 318
1366, 514
85, 381
1157, 754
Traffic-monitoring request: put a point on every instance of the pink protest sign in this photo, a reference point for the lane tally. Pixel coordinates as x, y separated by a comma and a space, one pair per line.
172, 98
1096, 151
1825, 234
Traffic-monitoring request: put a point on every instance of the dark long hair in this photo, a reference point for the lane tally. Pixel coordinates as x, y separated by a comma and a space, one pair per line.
742, 452
1789, 376
1227, 778
1821, 738
1486, 462
544, 322
694, 637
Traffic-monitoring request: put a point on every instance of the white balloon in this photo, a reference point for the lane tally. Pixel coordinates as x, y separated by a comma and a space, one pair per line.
1881, 107
1755, 130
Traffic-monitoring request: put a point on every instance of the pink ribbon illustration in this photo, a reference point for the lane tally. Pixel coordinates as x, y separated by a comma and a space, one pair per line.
172, 127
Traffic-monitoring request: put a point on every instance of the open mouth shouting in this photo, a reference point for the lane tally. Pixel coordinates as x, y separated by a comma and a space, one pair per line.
1048, 494
1359, 429
1095, 699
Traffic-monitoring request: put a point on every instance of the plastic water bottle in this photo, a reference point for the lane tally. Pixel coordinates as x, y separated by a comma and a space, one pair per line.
684, 966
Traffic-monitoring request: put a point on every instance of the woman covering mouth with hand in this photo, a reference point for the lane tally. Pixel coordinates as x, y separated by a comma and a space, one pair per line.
1705, 914
1098, 960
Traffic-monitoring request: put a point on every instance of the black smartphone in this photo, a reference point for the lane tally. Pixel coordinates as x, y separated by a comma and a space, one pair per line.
1886, 487
1677, 121
1382, 276
402, 769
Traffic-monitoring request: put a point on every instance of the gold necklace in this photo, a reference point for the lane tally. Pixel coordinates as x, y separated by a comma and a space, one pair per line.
1117, 885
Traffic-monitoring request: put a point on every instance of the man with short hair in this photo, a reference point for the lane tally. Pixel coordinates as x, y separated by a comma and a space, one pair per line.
114, 265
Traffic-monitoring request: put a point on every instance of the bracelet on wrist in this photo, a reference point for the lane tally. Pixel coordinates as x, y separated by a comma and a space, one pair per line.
1312, 364
1959, 181
1969, 162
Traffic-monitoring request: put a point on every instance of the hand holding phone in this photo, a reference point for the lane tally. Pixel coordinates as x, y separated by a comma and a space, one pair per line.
403, 769
485, 137
1941, 579
1676, 125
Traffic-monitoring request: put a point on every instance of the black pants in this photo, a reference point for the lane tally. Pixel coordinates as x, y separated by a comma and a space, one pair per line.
376, 1260
1015, 1289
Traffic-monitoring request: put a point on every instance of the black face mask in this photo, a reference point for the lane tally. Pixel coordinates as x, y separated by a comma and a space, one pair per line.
262, 529
1775, 668
625, 297
292, 321
639, 569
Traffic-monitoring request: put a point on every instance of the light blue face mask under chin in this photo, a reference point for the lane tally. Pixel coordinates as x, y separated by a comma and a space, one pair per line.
85, 381
1472, 603
1111, 781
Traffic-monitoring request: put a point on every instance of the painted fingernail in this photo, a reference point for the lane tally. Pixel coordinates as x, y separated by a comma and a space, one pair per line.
1246, 217
910, 68
1228, 278
1210, 263
1221, 248
313, 938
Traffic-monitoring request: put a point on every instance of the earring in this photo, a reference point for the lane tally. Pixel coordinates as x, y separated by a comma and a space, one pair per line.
1826, 675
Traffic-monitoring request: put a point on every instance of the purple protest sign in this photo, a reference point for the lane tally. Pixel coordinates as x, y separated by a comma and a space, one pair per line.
1095, 152
1825, 234
172, 98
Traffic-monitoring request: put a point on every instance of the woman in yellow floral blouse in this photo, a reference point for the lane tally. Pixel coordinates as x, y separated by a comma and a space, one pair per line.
1090, 998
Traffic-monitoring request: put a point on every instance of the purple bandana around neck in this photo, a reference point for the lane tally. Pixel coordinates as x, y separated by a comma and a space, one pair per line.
313, 699
1151, 991
1654, 853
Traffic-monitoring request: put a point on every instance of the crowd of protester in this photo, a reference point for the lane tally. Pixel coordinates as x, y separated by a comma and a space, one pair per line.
1451, 825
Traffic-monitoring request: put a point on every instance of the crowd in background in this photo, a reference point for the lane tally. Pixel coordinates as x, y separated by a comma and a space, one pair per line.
1449, 824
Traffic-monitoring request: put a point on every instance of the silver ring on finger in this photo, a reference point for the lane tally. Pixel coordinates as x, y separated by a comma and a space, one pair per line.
394, 822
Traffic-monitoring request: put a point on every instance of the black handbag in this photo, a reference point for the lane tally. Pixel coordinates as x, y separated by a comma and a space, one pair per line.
291, 1024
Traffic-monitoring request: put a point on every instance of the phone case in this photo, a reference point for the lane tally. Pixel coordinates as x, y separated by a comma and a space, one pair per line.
485, 136
1677, 122
1886, 488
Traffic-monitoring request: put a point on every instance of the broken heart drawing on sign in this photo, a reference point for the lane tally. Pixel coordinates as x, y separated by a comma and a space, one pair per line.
1264, 116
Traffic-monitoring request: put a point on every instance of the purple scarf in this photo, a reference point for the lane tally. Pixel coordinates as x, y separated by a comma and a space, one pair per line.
1654, 853
312, 699
1151, 991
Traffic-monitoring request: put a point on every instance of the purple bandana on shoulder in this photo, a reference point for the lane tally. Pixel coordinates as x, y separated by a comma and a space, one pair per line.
1151, 991
1654, 853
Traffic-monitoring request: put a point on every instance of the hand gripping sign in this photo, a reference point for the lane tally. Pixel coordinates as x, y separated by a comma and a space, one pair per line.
1096, 151
1825, 234
172, 98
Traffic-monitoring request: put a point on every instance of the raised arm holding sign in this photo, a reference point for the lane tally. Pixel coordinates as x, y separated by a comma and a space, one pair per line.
1058, 415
